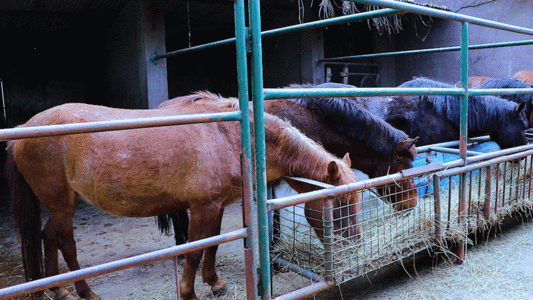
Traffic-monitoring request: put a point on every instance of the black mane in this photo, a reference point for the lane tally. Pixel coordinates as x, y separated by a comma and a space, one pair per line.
509, 83
353, 120
484, 112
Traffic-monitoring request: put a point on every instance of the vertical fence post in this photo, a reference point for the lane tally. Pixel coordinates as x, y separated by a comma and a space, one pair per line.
488, 194
259, 141
327, 219
464, 98
437, 203
250, 247
463, 132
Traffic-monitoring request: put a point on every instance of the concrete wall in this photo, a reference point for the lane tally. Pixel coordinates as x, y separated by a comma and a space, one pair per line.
132, 80
498, 63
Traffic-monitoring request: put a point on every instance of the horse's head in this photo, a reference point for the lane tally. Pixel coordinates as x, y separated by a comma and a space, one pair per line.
402, 194
345, 208
511, 132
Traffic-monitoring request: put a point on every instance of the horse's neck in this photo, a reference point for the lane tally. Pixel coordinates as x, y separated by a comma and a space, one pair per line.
290, 153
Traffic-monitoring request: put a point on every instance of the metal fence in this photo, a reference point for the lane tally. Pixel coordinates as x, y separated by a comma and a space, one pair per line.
488, 185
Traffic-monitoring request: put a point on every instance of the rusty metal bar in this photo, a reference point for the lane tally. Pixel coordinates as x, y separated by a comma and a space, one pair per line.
530, 175
437, 203
488, 193
306, 291
297, 269
504, 189
48, 282
497, 188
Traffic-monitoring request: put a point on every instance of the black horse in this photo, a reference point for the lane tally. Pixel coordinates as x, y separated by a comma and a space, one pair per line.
435, 118
510, 83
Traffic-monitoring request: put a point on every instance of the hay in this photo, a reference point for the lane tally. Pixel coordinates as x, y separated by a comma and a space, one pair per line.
390, 236
388, 24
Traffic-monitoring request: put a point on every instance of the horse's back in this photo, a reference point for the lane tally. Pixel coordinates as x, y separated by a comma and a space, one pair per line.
140, 165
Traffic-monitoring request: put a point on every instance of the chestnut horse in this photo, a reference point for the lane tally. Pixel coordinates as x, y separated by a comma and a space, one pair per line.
152, 172
524, 76
340, 125
475, 82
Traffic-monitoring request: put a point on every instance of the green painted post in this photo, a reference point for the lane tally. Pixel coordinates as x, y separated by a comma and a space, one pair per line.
250, 244
260, 155
464, 98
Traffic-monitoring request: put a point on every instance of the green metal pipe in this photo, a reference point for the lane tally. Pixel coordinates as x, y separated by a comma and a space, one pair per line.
332, 92
403, 6
423, 51
464, 98
479, 92
294, 28
332, 21
260, 152
250, 243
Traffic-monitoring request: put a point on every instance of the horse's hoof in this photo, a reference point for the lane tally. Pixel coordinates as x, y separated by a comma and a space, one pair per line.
219, 288
63, 294
92, 296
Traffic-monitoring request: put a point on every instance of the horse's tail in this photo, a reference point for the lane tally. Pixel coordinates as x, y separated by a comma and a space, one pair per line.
180, 222
26, 210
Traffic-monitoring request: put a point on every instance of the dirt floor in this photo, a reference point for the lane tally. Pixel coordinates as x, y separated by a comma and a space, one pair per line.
495, 268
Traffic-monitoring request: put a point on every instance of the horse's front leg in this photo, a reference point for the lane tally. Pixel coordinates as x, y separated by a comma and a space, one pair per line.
203, 222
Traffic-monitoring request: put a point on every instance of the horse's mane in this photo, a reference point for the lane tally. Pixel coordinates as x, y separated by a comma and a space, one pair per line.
355, 121
298, 152
483, 111
510, 83
197, 96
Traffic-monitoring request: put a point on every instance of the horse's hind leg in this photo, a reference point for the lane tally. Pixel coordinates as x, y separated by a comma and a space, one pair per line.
57, 235
209, 274
204, 221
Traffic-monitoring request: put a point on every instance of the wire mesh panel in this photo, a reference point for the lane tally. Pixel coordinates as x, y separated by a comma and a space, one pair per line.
450, 205
490, 194
388, 235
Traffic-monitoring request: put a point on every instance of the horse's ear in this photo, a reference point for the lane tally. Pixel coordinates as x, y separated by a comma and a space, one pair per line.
406, 144
518, 108
333, 169
346, 159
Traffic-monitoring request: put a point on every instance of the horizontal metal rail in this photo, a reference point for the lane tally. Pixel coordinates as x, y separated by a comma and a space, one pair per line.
332, 192
48, 282
288, 29
77, 128
478, 92
484, 164
424, 51
422, 10
333, 92
453, 151
426, 148
306, 291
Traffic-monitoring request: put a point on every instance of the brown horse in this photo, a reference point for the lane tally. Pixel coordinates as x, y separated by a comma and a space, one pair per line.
376, 148
474, 82
152, 172
524, 76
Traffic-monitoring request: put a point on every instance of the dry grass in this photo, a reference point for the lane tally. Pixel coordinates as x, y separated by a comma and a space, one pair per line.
390, 236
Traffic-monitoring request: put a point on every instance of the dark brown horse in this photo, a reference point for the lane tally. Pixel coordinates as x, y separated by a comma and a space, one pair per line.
152, 172
340, 125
